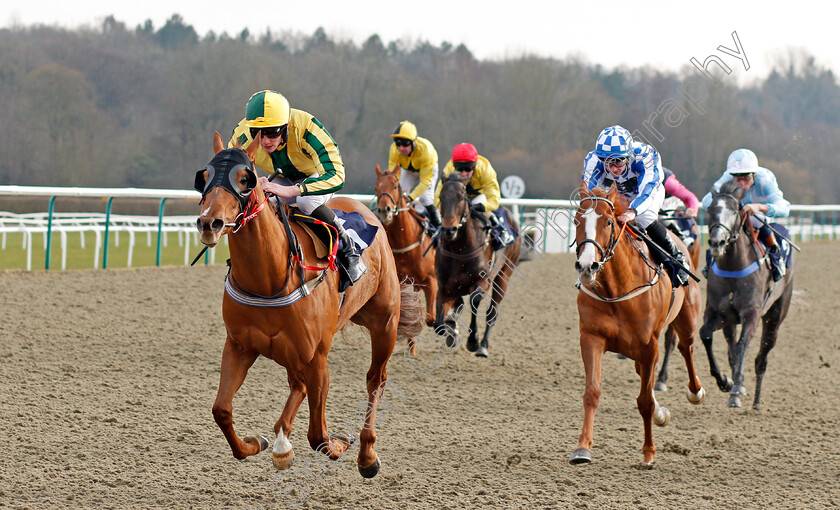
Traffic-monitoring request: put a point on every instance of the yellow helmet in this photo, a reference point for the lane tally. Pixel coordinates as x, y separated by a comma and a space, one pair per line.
267, 108
405, 129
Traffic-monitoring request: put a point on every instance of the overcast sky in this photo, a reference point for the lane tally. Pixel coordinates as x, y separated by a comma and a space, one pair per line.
662, 34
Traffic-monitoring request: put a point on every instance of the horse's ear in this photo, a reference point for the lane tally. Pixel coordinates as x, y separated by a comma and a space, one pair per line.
251, 150
378, 171
218, 144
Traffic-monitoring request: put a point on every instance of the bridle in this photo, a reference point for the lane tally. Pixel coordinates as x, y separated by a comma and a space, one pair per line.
463, 198
731, 233
606, 254
461, 222
396, 202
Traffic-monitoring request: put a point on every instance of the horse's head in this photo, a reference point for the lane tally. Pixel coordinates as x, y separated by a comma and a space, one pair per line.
389, 199
724, 217
227, 186
454, 206
597, 232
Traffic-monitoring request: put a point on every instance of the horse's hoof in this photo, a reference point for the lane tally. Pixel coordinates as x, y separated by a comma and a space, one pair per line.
740, 390
660, 386
482, 352
757, 407
450, 340
734, 400
725, 384
261, 440
696, 398
662, 417
647, 466
472, 344
372, 470
620, 356
580, 456
283, 460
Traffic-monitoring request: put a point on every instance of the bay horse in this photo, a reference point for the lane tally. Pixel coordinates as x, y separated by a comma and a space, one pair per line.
407, 236
672, 216
289, 312
467, 264
740, 290
624, 302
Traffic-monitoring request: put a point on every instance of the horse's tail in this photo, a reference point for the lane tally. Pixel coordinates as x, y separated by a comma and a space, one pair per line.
411, 314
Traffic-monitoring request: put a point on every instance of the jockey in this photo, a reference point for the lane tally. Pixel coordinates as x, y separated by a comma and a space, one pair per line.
761, 195
310, 170
636, 171
482, 187
418, 157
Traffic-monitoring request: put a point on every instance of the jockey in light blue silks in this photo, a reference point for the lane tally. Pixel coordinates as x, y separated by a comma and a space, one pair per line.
761, 194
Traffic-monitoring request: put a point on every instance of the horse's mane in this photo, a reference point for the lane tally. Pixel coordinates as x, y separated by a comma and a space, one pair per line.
732, 188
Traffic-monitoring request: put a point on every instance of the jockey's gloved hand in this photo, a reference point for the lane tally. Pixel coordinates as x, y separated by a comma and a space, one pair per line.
477, 207
407, 198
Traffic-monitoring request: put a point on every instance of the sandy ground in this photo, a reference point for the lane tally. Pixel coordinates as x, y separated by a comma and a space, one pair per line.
107, 379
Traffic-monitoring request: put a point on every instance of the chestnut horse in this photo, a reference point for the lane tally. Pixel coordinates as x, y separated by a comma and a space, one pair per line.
670, 217
408, 239
275, 307
740, 290
624, 302
465, 263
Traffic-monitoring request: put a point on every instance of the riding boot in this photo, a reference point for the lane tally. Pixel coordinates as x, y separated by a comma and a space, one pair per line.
351, 260
659, 234
433, 219
777, 258
500, 233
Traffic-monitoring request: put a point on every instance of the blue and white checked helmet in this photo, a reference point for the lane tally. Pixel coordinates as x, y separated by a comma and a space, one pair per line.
613, 142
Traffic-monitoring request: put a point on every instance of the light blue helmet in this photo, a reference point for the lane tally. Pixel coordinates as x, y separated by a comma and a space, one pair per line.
614, 142
742, 161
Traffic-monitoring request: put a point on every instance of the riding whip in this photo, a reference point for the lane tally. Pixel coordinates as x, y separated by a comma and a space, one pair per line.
644, 236
763, 219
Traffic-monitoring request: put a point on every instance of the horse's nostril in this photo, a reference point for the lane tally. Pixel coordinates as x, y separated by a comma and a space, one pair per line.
218, 224
595, 266
578, 267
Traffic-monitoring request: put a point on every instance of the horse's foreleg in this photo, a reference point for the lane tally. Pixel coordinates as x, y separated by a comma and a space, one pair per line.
670, 341
650, 410
472, 340
737, 354
283, 455
235, 364
430, 291
592, 351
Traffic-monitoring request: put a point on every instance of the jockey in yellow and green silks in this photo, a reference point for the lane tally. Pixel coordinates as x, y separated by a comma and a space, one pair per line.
296, 146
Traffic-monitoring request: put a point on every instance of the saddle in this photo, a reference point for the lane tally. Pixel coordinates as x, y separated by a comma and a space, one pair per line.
325, 239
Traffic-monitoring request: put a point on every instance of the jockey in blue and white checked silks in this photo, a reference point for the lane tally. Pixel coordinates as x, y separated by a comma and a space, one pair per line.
642, 180
636, 171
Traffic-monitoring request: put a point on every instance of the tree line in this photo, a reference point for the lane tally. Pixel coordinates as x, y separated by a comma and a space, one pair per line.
113, 106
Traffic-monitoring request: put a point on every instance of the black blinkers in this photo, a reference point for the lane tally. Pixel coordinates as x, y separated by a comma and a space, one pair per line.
222, 171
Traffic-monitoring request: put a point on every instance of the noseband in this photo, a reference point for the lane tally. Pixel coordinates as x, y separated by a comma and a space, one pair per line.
466, 201
606, 254
731, 233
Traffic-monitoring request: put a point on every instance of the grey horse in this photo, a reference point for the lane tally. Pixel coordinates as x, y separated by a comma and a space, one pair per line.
740, 290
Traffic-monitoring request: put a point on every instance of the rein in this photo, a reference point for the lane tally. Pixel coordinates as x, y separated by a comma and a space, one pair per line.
606, 256
464, 217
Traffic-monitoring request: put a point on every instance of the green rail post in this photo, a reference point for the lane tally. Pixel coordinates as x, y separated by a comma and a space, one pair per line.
107, 231
49, 233
160, 229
